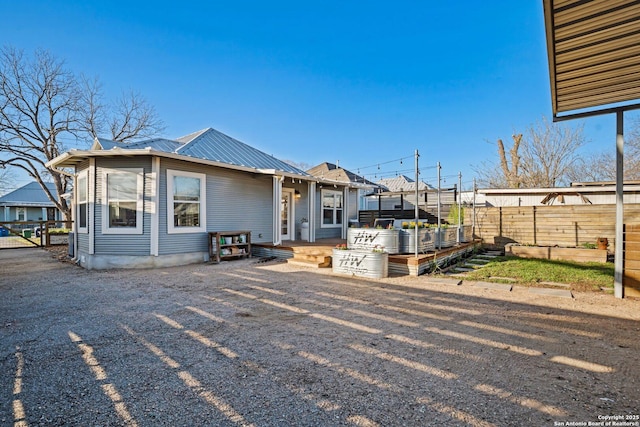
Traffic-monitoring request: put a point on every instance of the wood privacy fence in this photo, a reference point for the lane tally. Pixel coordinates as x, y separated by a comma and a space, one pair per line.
631, 277
567, 226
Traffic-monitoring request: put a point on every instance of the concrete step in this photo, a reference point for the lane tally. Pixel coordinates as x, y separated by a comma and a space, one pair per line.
463, 269
478, 262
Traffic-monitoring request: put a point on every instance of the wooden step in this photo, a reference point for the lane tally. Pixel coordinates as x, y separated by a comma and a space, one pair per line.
314, 261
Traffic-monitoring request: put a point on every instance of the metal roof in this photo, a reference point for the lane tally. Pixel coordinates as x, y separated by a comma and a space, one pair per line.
207, 146
211, 144
403, 183
330, 171
594, 55
29, 195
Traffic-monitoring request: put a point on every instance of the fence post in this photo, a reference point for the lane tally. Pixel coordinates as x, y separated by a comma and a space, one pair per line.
535, 227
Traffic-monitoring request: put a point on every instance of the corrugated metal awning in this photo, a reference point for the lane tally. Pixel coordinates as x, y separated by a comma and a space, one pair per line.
593, 48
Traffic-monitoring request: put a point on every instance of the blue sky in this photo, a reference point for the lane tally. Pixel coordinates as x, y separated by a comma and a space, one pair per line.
362, 83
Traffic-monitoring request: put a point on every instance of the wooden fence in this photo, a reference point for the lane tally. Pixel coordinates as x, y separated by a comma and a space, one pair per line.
631, 277
568, 226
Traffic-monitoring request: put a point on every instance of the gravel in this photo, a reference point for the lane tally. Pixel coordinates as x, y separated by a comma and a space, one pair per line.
271, 344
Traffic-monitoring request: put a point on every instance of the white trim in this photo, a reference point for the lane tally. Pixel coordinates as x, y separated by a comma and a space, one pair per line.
291, 214
139, 201
277, 196
334, 224
312, 211
24, 212
91, 211
84, 174
345, 211
154, 185
202, 214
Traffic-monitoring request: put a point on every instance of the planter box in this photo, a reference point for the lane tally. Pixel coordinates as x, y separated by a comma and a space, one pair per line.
58, 239
564, 254
578, 254
373, 265
541, 252
370, 238
426, 240
448, 237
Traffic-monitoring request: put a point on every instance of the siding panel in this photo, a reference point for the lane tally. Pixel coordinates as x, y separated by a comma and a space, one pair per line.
235, 201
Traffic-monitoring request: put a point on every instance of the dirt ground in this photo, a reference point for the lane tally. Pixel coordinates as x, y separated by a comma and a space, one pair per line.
271, 344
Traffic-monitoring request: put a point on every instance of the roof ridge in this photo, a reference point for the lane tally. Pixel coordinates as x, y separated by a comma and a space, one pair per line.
193, 135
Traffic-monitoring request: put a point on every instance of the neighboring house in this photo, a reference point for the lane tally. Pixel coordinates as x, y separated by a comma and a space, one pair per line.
329, 171
29, 203
400, 193
153, 203
597, 193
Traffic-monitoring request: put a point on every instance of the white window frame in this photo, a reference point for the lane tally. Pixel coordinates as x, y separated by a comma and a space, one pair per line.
82, 175
23, 211
171, 228
106, 229
334, 193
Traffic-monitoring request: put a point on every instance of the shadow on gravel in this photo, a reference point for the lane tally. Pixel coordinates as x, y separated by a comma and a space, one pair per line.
249, 344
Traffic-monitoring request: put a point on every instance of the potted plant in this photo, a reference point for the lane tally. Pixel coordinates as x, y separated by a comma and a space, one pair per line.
602, 243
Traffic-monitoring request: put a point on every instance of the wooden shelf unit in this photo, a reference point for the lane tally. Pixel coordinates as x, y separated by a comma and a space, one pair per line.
220, 251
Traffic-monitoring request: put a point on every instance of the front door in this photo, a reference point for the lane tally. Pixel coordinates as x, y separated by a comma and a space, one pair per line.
286, 215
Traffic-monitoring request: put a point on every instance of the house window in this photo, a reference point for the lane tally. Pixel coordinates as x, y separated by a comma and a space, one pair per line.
83, 201
122, 207
186, 202
21, 214
331, 208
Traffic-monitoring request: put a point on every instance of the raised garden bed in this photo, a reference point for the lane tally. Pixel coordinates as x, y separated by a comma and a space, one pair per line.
361, 263
557, 253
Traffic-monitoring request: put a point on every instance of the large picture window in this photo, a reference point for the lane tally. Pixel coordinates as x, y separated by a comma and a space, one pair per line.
82, 201
122, 201
331, 208
186, 202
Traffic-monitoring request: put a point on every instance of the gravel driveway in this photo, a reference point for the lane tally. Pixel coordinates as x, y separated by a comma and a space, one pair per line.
269, 344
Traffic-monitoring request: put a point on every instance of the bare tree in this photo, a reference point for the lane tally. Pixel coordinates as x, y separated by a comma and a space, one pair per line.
507, 175
42, 105
511, 173
7, 181
550, 153
546, 156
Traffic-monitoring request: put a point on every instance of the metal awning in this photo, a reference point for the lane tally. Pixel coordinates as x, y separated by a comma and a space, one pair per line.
593, 49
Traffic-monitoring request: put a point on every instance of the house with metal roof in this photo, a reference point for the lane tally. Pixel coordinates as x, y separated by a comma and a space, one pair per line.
155, 202
29, 203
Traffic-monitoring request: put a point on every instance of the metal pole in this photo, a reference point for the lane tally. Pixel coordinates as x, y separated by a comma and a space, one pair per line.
618, 288
439, 236
417, 210
459, 206
473, 219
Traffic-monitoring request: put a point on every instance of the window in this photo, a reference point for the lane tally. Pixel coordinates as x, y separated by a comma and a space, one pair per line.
122, 201
83, 201
21, 214
331, 208
186, 202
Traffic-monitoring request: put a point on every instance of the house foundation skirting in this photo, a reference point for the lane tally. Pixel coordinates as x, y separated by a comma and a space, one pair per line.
103, 262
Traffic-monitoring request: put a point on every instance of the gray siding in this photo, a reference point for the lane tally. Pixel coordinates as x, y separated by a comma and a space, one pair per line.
331, 233
235, 201
123, 244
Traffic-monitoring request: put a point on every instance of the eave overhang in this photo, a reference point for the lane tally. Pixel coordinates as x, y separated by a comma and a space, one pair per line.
593, 49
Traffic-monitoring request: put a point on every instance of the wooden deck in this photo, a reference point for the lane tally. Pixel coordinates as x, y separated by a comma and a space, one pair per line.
318, 255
